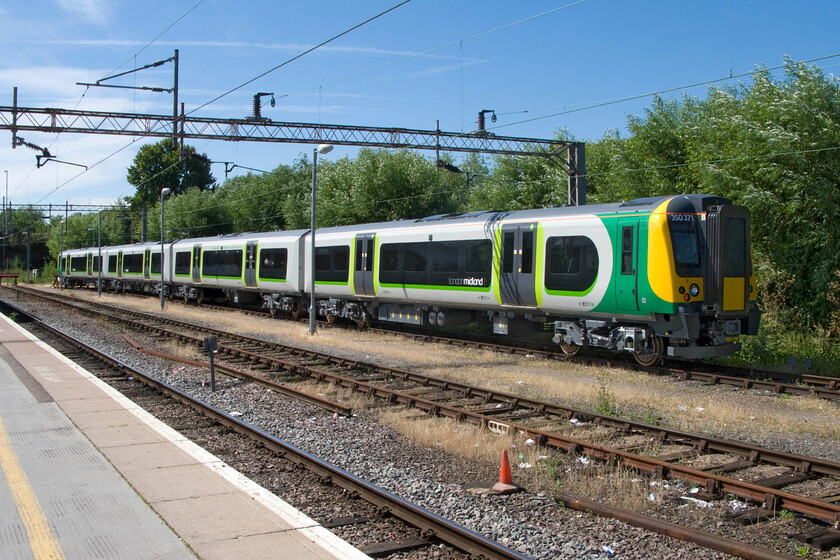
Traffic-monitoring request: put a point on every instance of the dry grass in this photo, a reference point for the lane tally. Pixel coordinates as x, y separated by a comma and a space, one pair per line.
643, 397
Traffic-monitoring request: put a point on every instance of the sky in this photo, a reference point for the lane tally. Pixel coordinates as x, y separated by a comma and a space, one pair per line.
542, 65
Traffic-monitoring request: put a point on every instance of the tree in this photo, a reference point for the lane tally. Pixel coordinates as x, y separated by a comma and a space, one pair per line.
161, 165
382, 185
771, 146
268, 201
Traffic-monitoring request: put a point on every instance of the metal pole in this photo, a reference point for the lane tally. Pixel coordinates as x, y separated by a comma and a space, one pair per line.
99, 282
60, 251
175, 105
5, 217
312, 253
163, 193
28, 256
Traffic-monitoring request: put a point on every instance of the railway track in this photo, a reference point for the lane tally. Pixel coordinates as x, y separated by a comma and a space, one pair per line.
757, 379
727, 463
424, 529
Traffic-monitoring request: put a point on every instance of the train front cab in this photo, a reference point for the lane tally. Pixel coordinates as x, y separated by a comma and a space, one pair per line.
709, 287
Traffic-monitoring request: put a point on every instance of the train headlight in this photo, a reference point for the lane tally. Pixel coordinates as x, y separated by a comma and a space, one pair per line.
694, 290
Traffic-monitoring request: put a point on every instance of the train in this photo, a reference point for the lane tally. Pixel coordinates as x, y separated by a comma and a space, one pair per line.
656, 277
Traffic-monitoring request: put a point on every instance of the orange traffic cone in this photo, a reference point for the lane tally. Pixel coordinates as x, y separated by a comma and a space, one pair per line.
505, 484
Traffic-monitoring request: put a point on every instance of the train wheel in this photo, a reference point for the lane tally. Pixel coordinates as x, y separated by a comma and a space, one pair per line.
330, 318
655, 357
363, 321
200, 298
570, 350
273, 311
296, 311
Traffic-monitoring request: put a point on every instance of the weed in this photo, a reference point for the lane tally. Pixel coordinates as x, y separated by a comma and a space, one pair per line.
786, 514
606, 400
13, 316
802, 550
651, 417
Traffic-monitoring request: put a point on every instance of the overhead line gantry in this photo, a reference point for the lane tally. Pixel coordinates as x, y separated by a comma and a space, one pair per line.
257, 129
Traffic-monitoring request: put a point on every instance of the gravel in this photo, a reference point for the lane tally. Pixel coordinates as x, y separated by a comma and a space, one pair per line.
530, 523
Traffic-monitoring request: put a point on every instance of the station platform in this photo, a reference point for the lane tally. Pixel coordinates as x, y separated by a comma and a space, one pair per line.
86, 474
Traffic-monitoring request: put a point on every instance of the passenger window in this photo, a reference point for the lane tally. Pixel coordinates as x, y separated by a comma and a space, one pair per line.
507, 252
359, 254
627, 250
369, 261
528, 252
445, 257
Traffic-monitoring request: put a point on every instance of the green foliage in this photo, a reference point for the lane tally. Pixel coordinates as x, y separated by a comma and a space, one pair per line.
382, 185
195, 213
606, 400
270, 201
162, 165
770, 146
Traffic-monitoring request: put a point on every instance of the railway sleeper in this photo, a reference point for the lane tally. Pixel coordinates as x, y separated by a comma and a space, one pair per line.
753, 516
783, 480
345, 521
823, 538
387, 548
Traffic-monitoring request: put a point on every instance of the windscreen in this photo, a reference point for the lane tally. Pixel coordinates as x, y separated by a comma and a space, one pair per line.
685, 242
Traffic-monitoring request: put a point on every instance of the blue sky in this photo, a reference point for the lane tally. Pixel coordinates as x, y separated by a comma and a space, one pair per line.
539, 75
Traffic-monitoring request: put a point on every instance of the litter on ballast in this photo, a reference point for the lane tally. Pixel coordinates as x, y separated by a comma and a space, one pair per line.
699, 503
738, 506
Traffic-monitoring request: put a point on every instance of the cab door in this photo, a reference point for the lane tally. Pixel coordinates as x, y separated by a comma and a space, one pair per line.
251, 264
727, 279
365, 251
516, 265
627, 265
196, 264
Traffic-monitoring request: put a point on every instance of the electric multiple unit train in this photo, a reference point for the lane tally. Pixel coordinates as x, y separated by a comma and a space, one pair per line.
666, 276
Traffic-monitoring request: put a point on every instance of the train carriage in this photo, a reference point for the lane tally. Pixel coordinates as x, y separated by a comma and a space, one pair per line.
654, 277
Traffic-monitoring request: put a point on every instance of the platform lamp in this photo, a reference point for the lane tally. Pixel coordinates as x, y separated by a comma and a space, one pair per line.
163, 192
99, 281
321, 149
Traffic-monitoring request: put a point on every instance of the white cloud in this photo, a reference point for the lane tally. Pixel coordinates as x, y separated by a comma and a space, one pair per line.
97, 12
292, 47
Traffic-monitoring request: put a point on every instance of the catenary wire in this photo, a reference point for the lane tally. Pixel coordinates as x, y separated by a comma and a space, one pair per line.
297, 56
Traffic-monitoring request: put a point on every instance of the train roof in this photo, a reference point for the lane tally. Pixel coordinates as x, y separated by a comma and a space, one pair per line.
700, 202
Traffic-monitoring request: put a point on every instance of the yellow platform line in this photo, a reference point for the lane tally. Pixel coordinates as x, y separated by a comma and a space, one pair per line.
41, 538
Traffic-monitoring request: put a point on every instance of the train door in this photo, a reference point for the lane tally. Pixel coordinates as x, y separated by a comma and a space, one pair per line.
516, 267
90, 264
251, 264
147, 264
727, 286
196, 264
363, 269
626, 274
119, 264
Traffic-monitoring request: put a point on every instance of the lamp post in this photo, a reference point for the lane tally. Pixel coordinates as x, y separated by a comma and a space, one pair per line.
5, 218
60, 251
163, 193
99, 282
321, 149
